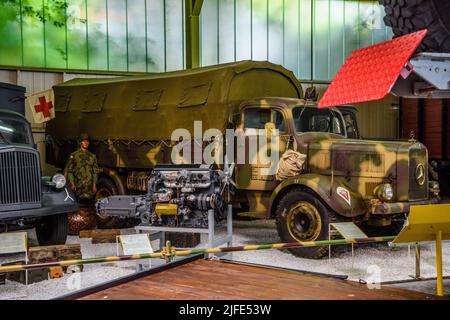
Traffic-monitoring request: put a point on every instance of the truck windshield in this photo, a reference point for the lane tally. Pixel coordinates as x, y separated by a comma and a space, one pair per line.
308, 119
13, 131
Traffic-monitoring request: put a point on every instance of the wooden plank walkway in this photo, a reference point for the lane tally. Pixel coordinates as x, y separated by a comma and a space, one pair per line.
215, 280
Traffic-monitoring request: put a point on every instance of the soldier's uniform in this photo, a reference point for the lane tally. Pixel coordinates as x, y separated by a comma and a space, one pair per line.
82, 170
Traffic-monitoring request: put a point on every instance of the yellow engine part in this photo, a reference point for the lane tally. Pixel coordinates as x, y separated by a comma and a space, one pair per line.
166, 209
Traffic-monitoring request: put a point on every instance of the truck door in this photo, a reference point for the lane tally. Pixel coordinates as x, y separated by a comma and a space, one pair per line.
255, 173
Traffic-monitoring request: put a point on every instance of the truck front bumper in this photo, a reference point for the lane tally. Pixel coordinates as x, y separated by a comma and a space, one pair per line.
398, 207
52, 203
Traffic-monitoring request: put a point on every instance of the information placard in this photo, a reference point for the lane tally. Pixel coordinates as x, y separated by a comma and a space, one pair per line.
13, 242
349, 230
135, 244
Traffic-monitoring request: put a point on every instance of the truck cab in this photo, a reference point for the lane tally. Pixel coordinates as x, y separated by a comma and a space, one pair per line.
344, 178
28, 199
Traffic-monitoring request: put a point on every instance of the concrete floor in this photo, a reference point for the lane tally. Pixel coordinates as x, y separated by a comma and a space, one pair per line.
427, 286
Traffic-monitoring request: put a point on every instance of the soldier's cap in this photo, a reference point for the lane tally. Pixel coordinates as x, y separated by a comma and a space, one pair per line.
83, 136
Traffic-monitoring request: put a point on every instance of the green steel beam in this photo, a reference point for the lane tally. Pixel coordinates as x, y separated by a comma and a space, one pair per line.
192, 12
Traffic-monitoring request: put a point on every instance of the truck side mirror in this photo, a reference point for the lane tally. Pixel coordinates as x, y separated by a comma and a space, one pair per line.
269, 126
235, 118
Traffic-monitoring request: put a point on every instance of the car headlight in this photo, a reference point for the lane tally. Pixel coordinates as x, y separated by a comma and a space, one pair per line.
384, 192
59, 180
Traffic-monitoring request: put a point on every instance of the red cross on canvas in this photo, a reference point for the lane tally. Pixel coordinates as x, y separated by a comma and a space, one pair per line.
44, 107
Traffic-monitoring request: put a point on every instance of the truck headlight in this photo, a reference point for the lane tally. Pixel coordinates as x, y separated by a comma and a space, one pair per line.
384, 192
59, 180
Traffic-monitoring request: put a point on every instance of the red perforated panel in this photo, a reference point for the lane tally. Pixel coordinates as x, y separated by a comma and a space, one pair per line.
369, 73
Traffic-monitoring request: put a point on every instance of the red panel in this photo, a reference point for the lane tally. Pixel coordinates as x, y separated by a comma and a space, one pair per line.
432, 127
369, 73
410, 118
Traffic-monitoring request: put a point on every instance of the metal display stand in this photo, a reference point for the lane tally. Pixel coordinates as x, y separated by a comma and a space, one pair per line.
158, 232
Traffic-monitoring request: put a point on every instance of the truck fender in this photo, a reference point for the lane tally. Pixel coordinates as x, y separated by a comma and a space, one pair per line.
341, 198
114, 176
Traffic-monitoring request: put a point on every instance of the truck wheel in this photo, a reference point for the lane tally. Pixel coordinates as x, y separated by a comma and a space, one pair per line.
301, 216
407, 16
107, 188
52, 230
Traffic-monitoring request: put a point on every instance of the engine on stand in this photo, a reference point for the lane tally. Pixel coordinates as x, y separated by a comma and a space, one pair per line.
178, 196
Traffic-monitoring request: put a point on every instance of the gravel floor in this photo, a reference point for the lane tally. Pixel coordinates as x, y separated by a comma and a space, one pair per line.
376, 262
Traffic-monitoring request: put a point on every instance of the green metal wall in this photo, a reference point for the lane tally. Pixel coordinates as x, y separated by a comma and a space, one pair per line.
310, 37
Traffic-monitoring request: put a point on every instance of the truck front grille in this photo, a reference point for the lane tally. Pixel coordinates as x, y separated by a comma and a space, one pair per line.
20, 180
416, 191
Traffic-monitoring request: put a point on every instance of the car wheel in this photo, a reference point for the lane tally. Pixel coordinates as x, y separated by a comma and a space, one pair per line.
52, 230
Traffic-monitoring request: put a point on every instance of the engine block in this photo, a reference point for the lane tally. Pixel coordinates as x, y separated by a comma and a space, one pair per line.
178, 196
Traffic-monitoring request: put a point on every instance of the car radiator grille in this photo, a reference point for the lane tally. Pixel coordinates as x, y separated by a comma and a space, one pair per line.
20, 185
416, 191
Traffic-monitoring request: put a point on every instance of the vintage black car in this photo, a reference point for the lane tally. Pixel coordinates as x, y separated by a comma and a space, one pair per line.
28, 199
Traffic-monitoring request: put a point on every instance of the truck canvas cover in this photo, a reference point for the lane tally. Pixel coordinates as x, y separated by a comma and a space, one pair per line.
151, 107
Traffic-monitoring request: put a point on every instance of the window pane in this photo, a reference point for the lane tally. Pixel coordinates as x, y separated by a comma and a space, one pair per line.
209, 33
321, 39
305, 58
33, 34
117, 35
55, 35
351, 34
174, 35
259, 29
136, 36
155, 35
255, 118
365, 24
97, 44
76, 35
226, 31
278, 120
336, 37
243, 30
291, 36
10, 45
275, 32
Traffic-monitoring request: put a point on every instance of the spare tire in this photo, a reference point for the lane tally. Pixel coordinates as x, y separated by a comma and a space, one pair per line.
407, 16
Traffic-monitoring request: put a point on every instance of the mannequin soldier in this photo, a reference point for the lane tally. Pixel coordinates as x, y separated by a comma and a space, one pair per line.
82, 171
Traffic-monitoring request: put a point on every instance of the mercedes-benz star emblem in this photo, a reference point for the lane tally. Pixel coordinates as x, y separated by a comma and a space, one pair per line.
420, 174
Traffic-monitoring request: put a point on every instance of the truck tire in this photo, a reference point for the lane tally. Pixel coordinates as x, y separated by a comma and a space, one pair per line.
52, 230
407, 16
105, 188
302, 216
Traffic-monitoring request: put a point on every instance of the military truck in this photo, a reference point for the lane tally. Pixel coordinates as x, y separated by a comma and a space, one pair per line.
28, 199
131, 120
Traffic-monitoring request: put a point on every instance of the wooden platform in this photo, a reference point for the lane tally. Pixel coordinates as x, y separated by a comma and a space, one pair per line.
214, 280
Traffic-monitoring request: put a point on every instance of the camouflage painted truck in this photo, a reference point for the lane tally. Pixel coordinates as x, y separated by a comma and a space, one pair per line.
131, 119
